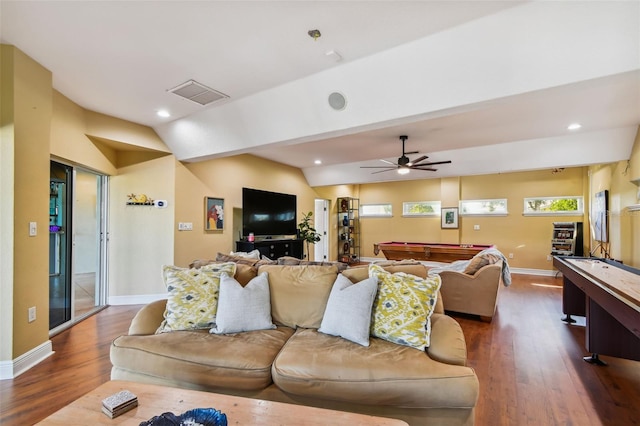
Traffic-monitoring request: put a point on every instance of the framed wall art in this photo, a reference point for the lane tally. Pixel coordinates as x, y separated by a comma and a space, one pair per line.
449, 218
214, 214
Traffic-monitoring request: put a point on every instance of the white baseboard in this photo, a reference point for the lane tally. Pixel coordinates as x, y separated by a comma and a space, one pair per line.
137, 299
523, 271
12, 369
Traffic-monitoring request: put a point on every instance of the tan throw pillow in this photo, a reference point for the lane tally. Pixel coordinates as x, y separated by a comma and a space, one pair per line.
299, 294
403, 307
475, 264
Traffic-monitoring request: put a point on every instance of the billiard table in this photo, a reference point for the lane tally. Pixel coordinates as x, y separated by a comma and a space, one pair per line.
435, 252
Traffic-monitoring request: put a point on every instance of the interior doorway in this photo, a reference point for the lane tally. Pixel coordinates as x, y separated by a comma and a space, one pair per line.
78, 239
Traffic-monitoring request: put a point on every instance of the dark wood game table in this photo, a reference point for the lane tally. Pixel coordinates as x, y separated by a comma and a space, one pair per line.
435, 252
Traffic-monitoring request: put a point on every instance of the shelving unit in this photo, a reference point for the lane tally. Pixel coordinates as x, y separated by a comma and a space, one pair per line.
567, 239
348, 229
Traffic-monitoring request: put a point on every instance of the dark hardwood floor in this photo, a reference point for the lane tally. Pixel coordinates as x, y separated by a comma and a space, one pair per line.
529, 364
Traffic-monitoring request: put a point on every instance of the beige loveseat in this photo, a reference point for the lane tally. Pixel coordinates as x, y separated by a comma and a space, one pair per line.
473, 286
475, 294
295, 363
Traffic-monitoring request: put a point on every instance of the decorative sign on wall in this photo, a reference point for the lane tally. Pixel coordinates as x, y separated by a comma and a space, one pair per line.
139, 200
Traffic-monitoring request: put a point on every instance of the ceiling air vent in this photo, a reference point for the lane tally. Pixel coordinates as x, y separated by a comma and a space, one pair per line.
198, 93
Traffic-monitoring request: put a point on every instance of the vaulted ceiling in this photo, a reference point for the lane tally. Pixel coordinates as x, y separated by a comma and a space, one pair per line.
489, 85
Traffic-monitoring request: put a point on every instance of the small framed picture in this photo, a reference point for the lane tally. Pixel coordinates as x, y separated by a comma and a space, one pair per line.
213, 214
449, 218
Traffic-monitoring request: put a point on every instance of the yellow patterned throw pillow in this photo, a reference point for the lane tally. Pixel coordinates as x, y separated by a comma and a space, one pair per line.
192, 302
403, 306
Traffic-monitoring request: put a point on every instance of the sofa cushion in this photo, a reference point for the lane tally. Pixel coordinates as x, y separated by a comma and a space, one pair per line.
192, 302
241, 308
403, 307
348, 312
299, 293
239, 361
391, 375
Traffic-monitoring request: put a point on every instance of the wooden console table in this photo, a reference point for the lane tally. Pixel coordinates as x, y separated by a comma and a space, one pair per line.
154, 400
607, 293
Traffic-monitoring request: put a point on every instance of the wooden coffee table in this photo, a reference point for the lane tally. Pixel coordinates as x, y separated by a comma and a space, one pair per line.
154, 400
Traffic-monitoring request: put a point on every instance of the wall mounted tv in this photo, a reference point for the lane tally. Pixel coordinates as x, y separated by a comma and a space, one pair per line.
268, 214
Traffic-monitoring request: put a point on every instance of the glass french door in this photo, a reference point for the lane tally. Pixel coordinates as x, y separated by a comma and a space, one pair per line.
78, 241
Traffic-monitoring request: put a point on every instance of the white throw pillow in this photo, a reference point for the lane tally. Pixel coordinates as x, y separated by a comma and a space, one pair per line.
243, 308
348, 311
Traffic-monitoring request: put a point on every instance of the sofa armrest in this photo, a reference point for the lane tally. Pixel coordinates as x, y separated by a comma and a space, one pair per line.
447, 341
148, 319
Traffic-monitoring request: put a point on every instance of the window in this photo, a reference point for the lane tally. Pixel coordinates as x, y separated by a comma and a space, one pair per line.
375, 210
421, 208
495, 207
553, 206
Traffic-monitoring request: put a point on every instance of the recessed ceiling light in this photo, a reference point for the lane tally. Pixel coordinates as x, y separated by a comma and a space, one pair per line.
318, 162
574, 126
163, 113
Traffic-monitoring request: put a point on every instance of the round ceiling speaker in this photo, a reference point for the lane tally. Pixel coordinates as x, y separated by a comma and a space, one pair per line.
337, 101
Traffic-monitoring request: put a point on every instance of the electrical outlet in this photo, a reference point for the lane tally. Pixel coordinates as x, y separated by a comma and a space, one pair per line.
33, 229
548, 257
476, 227
510, 255
32, 314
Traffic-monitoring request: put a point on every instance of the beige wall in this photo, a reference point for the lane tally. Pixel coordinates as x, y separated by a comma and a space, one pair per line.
140, 237
28, 107
7, 180
225, 178
624, 223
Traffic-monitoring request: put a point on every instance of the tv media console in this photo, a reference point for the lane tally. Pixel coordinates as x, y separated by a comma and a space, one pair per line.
273, 249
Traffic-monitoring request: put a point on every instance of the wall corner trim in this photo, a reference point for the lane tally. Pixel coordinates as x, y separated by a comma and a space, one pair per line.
12, 369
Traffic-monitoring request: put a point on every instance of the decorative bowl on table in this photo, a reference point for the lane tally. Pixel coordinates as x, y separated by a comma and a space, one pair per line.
195, 417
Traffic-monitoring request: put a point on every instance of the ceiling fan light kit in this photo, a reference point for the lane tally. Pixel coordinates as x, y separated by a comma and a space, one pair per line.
405, 165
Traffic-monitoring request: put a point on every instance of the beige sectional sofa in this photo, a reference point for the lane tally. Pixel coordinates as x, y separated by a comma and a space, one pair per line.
295, 363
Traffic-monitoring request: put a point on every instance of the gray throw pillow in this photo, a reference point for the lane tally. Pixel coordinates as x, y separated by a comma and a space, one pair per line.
243, 308
348, 311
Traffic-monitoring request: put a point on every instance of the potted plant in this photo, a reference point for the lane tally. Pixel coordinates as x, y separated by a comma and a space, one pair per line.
307, 232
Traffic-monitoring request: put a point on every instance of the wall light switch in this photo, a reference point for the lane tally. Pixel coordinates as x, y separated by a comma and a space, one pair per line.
185, 226
33, 229
476, 227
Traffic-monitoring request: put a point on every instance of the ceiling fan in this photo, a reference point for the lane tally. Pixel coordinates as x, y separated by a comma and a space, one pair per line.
404, 164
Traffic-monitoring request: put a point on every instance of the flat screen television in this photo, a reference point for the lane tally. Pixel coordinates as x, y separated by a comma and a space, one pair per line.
268, 214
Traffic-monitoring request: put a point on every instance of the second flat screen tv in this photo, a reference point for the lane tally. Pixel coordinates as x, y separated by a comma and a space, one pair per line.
268, 214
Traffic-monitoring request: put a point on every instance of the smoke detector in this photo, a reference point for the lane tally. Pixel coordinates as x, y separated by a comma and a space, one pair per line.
198, 93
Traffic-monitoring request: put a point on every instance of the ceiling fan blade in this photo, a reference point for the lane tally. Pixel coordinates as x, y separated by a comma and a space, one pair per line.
417, 160
388, 162
432, 163
425, 169
410, 152
382, 171
379, 167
